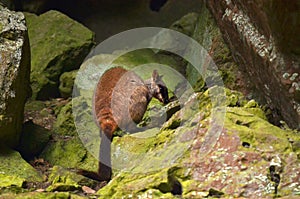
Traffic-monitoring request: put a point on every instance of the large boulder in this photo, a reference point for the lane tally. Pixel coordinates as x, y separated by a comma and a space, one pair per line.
250, 157
14, 74
263, 38
58, 44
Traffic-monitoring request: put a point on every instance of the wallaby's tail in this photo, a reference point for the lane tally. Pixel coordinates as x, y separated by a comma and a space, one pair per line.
104, 169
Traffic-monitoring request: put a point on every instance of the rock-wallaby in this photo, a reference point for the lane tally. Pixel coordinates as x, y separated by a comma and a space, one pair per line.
120, 101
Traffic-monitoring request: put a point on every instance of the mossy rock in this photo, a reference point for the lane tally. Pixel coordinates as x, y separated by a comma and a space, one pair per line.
64, 124
65, 180
247, 145
202, 28
66, 83
69, 152
186, 24
60, 47
47, 195
15, 171
157, 185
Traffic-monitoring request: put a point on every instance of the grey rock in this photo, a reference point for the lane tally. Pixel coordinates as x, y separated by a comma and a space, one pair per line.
14, 74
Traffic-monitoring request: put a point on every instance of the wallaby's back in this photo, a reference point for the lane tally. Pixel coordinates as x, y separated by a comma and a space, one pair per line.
121, 100
102, 99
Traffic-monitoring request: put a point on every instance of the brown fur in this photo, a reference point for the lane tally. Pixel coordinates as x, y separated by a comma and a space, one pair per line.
120, 100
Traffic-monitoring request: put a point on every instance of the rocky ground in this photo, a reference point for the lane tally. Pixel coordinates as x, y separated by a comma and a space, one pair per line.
219, 142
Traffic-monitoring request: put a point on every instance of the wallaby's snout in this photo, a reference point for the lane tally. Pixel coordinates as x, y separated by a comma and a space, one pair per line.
162, 94
158, 88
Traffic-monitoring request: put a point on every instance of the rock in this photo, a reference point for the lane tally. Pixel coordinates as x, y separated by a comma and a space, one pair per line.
69, 152
59, 48
33, 140
263, 38
48, 195
64, 125
14, 171
205, 31
14, 75
186, 24
235, 164
66, 82
172, 160
64, 180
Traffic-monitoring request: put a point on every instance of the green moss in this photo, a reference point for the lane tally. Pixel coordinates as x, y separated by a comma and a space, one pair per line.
60, 47
8, 181
65, 180
48, 195
256, 131
15, 168
186, 24
64, 124
66, 83
68, 153
34, 105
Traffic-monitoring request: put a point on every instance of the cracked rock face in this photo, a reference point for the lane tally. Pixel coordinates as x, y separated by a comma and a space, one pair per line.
14, 74
262, 36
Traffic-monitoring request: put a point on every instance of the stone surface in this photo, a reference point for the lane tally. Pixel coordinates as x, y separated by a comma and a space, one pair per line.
66, 82
64, 125
236, 164
47, 195
204, 30
68, 152
262, 36
14, 74
58, 44
64, 180
14, 171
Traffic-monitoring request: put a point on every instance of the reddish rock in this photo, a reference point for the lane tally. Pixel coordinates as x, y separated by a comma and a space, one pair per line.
263, 38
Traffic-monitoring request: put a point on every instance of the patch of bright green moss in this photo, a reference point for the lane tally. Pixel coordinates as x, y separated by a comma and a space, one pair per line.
15, 168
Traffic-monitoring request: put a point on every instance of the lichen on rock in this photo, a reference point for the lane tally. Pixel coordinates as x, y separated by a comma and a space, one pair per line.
14, 74
238, 163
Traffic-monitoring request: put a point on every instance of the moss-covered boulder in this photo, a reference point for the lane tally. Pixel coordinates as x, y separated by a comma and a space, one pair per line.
58, 44
69, 153
14, 75
249, 158
15, 172
64, 180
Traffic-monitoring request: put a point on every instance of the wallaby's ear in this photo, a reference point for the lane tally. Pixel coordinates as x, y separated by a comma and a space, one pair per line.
155, 76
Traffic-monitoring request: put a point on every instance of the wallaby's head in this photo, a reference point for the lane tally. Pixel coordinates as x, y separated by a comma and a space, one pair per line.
158, 88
